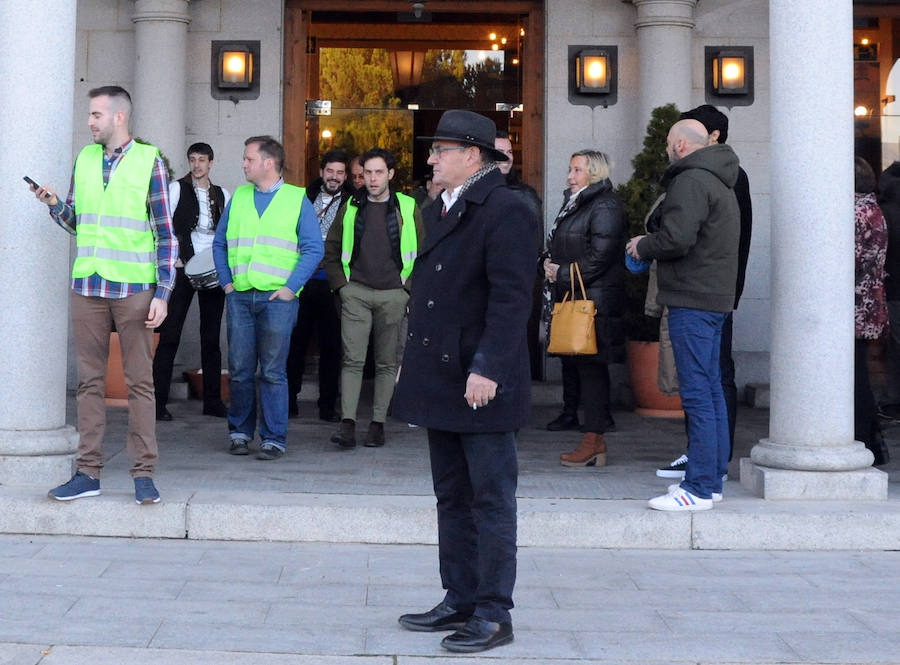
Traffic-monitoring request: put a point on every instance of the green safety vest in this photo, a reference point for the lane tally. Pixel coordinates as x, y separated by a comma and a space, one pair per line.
113, 235
262, 251
409, 242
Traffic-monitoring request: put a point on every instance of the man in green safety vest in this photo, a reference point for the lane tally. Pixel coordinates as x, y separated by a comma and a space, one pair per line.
124, 270
267, 245
369, 256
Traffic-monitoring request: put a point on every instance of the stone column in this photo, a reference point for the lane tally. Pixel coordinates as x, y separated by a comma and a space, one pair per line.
664, 46
37, 88
810, 452
160, 76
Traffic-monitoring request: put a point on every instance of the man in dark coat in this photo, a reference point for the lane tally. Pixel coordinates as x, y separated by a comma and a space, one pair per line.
466, 377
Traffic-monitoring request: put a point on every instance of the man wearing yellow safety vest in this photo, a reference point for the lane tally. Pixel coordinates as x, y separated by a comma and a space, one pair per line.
369, 256
267, 245
124, 270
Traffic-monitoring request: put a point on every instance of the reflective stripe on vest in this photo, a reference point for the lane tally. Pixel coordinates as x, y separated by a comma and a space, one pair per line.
113, 236
262, 251
409, 242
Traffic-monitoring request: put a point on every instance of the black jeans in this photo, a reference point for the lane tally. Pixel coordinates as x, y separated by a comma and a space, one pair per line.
571, 385
211, 302
475, 478
318, 312
594, 382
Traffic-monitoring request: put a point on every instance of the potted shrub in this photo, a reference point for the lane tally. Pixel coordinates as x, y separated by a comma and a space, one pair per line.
638, 196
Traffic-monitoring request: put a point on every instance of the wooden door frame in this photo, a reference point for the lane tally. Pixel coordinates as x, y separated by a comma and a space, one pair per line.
297, 65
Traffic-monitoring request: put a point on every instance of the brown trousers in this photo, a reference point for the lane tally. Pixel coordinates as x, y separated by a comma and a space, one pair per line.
92, 319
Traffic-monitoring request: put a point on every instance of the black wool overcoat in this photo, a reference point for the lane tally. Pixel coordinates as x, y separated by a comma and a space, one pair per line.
470, 301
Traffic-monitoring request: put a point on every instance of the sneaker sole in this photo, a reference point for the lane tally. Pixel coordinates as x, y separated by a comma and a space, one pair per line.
144, 502
239, 451
682, 509
268, 456
75, 496
667, 473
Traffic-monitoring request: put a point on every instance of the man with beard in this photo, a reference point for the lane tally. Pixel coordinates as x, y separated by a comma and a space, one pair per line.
369, 256
196, 205
118, 210
318, 309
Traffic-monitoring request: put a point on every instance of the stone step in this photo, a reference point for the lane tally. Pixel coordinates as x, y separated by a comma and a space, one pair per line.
740, 522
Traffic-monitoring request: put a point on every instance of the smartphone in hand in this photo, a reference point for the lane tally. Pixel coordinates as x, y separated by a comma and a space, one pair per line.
31, 182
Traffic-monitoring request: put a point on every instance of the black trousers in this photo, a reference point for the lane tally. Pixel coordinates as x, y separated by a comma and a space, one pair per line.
571, 385
594, 387
212, 302
475, 478
318, 312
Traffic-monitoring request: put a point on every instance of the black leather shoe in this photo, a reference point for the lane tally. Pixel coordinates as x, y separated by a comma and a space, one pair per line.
441, 617
565, 421
164, 415
478, 635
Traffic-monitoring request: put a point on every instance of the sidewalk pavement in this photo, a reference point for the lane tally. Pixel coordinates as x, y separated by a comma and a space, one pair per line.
68, 600
320, 493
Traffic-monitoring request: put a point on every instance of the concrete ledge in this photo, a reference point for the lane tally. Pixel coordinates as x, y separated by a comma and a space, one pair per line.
113, 513
867, 484
41, 470
757, 395
336, 518
740, 522
752, 524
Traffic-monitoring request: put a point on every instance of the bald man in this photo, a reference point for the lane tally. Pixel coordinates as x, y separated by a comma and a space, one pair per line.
696, 249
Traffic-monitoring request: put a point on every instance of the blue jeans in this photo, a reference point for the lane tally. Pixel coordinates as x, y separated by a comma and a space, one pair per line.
696, 339
259, 333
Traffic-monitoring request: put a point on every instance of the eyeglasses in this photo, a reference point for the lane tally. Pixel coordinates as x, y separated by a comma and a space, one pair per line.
440, 149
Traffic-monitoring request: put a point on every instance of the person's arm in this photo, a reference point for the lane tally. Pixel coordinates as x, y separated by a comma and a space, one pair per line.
174, 195
161, 225
226, 195
63, 213
309, 243
220, 252
681, 213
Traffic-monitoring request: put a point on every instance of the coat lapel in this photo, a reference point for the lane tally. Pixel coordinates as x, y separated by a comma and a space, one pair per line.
437, 227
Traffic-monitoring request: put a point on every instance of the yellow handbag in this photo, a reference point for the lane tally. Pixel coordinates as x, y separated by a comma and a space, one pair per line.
572, 330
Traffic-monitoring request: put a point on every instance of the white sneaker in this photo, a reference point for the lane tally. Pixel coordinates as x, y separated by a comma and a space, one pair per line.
678, 500
716, 496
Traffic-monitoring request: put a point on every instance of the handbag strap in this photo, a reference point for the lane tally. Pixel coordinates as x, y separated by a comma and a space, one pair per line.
573, 268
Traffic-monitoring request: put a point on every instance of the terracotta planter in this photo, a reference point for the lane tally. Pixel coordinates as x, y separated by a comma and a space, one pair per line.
194, 378
643, 366
116, 390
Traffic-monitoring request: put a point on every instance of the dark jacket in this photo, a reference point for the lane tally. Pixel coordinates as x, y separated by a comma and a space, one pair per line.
697, 244
529, 195
889, 201
593, 234
334, 269
467, 313
187, 214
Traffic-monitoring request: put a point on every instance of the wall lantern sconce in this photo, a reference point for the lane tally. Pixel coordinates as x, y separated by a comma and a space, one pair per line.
729, 75
406, 68
593, 75
235, 70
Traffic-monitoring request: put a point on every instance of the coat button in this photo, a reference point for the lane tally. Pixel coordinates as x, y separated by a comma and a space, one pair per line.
426, 341
410, 335
430, 304
438, 267
445, 358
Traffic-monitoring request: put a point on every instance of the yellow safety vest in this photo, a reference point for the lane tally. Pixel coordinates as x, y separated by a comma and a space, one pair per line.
262, 251
409, 242
113, 235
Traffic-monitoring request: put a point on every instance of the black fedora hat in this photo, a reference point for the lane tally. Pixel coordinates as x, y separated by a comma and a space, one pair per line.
467, 127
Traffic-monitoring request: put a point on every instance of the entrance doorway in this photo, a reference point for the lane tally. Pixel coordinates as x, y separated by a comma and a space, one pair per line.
388, 72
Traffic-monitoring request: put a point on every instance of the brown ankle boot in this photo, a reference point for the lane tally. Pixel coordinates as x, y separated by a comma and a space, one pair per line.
590, 452
345, 437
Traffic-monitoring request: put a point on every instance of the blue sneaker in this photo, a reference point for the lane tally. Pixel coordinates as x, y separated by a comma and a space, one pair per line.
145, 491
80, 485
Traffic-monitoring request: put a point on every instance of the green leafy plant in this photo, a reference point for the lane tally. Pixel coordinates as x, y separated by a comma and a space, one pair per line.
638, 195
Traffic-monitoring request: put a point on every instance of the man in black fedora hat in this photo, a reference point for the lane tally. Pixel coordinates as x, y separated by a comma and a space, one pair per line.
466, 376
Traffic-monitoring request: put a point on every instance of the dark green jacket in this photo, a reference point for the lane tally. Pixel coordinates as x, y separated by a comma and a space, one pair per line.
697, 244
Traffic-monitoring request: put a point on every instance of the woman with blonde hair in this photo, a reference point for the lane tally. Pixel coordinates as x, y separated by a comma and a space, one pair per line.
590, 229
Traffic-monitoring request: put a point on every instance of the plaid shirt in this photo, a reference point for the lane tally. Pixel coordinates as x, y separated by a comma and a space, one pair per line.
160, 224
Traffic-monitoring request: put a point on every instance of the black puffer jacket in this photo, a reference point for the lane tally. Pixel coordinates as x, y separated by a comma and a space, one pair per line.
889, 201
593, 234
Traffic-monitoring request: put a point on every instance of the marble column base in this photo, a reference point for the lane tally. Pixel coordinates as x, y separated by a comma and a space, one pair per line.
37, 457
867, 484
